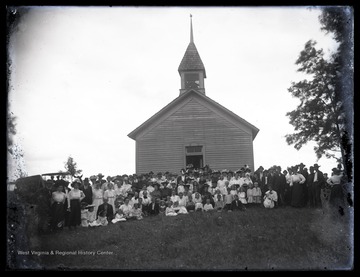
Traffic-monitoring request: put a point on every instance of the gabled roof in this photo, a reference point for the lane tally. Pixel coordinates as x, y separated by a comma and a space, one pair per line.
177, 102
191, 60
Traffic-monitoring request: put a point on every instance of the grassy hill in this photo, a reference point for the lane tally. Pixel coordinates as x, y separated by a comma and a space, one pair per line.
257, 239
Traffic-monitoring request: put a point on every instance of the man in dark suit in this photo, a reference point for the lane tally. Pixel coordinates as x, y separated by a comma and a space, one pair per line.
105, 209
236, 204
318, 182
258, 175
311, 188
279, 185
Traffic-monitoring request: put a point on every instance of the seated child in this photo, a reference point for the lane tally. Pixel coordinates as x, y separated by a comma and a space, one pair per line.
198, 201
162, 207
270, 198
119, 216
219, 203
190, 206
208, 206
242, 195
233, 190
84, 215
136, 212
228, 199
169, 211
179, 209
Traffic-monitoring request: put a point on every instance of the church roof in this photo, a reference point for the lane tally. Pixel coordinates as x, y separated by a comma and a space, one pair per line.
192, 60
174, 105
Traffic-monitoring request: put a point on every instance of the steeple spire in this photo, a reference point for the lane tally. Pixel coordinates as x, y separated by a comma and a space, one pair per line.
191, 30
191, 68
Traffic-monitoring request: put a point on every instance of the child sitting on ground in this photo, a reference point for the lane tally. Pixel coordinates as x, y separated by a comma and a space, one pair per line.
233, 190
119, 216
219, 203
270, 198
242, 195
229, 198
136, 212
208, 206
179, 209
170, 210
84, 215
162, 207
190, 206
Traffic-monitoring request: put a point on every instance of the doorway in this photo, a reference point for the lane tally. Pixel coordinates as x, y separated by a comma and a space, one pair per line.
194, 156
196, 160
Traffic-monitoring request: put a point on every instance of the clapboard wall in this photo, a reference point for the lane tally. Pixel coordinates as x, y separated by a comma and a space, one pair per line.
227, 144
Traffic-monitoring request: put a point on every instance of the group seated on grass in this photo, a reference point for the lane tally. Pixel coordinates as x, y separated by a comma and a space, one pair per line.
95, 201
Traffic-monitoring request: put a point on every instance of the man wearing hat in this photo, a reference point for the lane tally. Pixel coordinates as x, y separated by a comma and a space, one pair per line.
100, 178
258, 175
93, 179
87, 189
318, 184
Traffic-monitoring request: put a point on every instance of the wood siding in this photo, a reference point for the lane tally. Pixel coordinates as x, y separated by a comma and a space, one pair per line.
226, 146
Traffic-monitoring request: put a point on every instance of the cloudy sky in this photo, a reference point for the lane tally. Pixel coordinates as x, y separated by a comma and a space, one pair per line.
83, 78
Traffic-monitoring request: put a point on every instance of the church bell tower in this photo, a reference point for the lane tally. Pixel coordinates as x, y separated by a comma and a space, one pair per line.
191, 69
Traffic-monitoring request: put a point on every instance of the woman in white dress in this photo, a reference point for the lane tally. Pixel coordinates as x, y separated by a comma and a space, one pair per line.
110, 194
98, 195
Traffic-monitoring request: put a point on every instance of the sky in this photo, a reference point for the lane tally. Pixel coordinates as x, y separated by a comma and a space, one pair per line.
83, 78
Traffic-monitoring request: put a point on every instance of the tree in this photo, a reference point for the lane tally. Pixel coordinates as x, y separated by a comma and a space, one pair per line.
71, 166
325, 112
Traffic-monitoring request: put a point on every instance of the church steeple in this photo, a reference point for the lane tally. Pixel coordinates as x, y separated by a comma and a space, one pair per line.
191, 68
191, 30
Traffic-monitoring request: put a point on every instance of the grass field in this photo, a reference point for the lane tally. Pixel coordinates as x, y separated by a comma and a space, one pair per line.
257, 239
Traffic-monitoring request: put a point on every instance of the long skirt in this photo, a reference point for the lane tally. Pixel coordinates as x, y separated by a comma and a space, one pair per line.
57, 215
75, 213
297, 195
337, 196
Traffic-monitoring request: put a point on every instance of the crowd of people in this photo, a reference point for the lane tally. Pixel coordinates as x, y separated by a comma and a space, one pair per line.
95, 201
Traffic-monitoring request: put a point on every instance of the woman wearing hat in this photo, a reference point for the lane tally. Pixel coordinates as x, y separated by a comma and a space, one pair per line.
74, 199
